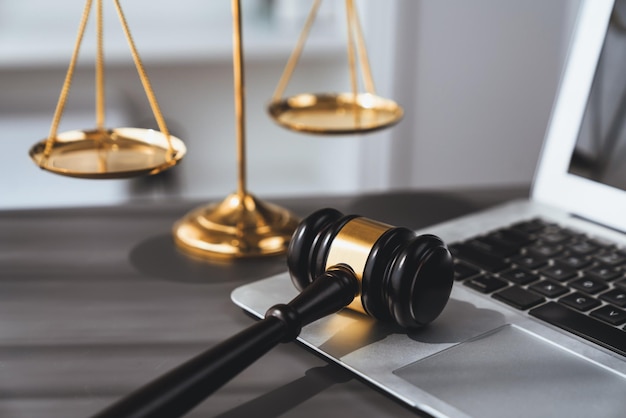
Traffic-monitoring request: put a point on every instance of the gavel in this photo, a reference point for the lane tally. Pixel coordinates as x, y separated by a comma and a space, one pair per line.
335, 261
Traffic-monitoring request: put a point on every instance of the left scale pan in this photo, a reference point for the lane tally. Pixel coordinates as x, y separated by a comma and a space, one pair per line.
109, 154
104, 153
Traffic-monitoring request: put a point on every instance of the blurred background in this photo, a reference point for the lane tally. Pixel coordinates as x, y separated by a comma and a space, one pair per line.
476, 80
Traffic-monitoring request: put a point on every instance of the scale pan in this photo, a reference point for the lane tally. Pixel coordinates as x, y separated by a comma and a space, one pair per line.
109, 154
332, 114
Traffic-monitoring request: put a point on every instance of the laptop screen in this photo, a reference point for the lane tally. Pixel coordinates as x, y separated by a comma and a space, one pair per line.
580, 170
600, 150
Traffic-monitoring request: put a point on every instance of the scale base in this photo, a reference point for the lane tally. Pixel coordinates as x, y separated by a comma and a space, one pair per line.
238, 227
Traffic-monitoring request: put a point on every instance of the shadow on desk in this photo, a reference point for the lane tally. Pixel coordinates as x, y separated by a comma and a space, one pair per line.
158, 257
289, 396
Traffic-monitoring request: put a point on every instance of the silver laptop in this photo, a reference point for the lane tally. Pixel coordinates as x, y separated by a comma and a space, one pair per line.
535, 325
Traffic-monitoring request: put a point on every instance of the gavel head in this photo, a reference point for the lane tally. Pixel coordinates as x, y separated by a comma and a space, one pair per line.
404, 277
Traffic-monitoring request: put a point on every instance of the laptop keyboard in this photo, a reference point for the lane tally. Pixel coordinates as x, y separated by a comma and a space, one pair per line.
558, 275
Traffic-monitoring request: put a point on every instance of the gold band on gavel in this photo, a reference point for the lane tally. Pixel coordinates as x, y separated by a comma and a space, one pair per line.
352, 246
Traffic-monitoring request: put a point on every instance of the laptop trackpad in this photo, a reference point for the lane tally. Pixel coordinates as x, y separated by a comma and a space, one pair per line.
496, 374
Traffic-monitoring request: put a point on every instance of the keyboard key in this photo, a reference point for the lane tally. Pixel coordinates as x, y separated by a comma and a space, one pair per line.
462, 271
583, 247
531, 226
579, 301
492, 247
575, 261
589, 285
559, 272
545, 250
519, 298
485, 284
555, 237
549, 288
612, 258
583, 326
530, 261
621, 283
616, 297
478, 258
519, 276
511, 237
610, 314
602, 243
604, 272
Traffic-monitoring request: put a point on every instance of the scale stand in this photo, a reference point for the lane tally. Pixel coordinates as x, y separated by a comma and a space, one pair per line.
241, 225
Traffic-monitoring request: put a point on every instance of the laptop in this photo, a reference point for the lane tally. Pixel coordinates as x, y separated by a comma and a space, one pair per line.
536, 322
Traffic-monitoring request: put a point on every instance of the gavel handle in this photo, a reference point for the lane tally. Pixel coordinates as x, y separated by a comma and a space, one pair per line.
181, 389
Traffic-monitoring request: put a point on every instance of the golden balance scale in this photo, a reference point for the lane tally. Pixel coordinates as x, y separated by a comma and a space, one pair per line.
241, 225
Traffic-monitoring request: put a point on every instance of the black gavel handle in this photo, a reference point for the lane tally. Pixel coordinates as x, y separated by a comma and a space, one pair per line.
181, 389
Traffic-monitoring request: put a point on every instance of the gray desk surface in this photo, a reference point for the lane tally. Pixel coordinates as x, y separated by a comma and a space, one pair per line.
95, 302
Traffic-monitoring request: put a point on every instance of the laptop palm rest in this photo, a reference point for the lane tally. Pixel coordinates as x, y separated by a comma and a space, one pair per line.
471, 362
522, 374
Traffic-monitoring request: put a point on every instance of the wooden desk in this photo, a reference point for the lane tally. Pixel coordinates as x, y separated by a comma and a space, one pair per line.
95, 302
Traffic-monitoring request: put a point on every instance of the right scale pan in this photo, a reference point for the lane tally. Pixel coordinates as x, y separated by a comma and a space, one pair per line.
335, 113
332, 114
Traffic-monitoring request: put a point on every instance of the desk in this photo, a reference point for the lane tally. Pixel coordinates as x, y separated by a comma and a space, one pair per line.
95, 302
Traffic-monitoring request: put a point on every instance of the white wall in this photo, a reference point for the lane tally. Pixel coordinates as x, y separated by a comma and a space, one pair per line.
477, 80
